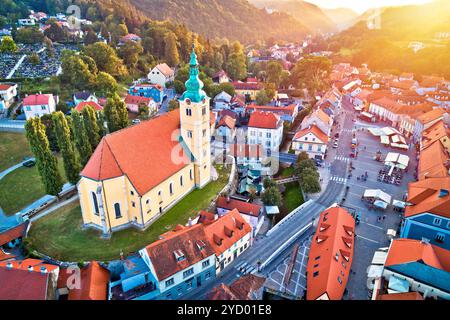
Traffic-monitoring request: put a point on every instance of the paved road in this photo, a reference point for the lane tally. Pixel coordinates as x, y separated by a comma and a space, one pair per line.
11, 169
264, 246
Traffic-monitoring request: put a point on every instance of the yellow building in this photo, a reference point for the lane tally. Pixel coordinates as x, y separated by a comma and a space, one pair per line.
138, 173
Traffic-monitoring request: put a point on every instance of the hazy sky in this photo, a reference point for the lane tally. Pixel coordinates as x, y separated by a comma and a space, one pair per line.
362, 5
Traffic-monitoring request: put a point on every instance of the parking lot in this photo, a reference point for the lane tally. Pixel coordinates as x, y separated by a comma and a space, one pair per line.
371, 233
297, 283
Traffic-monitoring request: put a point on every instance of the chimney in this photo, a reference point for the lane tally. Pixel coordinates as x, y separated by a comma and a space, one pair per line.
30, 268
43, 270
228, 231
228, 199
9, 266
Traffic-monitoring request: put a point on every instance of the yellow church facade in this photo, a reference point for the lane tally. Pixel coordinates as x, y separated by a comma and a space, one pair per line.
136, 174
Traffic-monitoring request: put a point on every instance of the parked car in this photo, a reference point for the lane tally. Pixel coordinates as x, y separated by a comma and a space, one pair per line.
136, 121
335, 145
29, 163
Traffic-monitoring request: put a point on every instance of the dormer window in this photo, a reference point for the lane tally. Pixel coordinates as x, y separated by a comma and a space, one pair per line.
201, 245
179, 255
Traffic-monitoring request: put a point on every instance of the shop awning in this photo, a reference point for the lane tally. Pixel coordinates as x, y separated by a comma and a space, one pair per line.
384, 140
399, 204
380, 204
397, 160
377, 194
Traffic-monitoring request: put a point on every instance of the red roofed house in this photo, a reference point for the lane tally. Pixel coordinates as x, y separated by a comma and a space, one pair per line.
252, 213
417, 266
265, 129
312, 141
30, 279
161, 74
129, 37
320, 119
93, 104
91, 285
36, 105
8, 92
331, 255
387, 109
226, 129
247, 287
426, 120
229, 236
180, 261
248, 89
133, 103
221, 77
11, 237
138, 173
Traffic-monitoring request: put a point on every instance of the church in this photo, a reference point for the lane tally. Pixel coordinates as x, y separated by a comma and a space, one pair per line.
138, 173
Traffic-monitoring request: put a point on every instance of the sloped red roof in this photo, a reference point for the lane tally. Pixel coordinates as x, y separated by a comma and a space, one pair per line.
130, 99
93, 104
432, 161
246, 85
425, 195
284, 110
226, 121
4, 87
401, 296
37, 99
331, 248
188, 241
94, 283
165, 69
142, 152
408, 250
241, 289
242, 206
13, 233
431, 115
315, 131
5, 256
230, 228
19, 284
264, 120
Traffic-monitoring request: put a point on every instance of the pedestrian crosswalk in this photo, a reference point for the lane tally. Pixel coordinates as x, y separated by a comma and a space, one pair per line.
341, 158
245, 268
338, 179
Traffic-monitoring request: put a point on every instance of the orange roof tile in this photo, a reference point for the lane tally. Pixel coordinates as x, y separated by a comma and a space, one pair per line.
130, 99
142, 152
226, 231
401, 296
165, 69
242, 206
433, 161
83, 104
431, 115
5, 256
226, 121
241, 289
425, 195
315, 131
13, 233
332, 248
408, 250
264, 120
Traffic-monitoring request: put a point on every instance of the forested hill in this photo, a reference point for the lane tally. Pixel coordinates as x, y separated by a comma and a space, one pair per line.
307, 13
388, 47
232, 19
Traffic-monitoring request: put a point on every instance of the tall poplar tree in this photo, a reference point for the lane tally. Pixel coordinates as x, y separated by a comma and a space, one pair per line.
90, 123
116, 113
46, 161
81, 138
62, 133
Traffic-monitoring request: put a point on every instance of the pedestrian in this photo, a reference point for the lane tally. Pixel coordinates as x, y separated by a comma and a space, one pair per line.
384, 217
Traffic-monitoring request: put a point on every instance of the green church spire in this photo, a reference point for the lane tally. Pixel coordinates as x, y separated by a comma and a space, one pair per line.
194, 86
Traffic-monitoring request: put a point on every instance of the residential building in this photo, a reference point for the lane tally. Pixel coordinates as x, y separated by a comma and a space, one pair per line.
12, 237
418, 266
84, 96
221, 77
252, 213
426, 120
29, 279
161, 74
222, 101
132, 178
230, 235
226, 129
330, 255
252, 156
248, 89
154, 91
133, 103
8, 93
265, 129
179, 262
428, 216
129, 37
247, 287
94, 281
286, 113
84, 104
319, 119
312, 141
37, 105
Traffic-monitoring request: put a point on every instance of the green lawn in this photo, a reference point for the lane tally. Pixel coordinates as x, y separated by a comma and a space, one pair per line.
292, 197
22, 187
60, 235
13, 148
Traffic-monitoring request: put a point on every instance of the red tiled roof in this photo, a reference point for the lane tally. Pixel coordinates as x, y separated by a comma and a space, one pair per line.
246, 86
408, 250
432, 161
25, 264
242, 206
142, 152
188, 241
332, 248
425, 197
288, 110
431, 115
165, 69
5, 256
4, 87
387, 103
315, 131
230, 228
94, 283
226, 121
264, 120
37, 99
241, 289
83, 104
13, 233
19, 284
130, 99
401, 296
